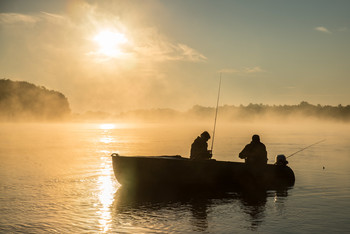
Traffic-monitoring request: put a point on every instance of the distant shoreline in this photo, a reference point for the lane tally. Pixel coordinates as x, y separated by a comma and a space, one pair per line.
21, 101
251, 112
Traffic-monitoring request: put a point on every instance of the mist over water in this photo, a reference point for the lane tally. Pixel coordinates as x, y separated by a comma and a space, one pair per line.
59, 178
21, 101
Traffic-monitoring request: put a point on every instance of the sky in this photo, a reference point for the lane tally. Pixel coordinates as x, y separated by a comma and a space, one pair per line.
124, 55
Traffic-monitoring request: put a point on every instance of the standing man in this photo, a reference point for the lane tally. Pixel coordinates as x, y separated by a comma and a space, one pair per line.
199, 148
255, 152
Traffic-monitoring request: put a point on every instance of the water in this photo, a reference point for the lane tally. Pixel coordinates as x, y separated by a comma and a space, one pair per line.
59, 178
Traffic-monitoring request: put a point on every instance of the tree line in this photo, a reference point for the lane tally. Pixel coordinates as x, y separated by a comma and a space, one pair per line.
261, 111
20, 100
250, 112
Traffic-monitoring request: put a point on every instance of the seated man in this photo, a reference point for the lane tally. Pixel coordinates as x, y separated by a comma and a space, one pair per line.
199, 147
255, 152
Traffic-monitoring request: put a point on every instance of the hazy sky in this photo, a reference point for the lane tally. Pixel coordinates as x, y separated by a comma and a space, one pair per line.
121, 55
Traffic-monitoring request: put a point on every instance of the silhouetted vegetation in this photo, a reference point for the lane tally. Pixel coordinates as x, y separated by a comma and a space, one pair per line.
283, 112
21, 100
251, 112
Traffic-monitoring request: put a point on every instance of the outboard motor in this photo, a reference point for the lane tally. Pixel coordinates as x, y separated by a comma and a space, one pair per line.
281, 160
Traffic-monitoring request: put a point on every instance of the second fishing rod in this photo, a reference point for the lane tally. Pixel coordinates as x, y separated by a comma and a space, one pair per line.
216, 115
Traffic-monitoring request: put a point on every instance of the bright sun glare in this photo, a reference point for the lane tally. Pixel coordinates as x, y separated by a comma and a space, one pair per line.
110, 43
107, 126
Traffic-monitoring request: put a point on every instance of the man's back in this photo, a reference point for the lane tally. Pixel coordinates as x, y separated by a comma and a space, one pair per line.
199, 149
254, 153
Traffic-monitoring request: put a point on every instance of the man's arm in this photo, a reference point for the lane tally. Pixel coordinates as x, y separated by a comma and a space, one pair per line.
244, 153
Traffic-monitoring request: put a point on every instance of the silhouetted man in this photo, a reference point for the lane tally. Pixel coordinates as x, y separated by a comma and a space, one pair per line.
255, 152
199, 148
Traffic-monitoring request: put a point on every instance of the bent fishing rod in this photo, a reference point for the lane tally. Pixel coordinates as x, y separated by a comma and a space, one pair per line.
216, 115
306, 148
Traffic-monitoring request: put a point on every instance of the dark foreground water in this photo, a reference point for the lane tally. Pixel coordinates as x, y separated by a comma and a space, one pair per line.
59, 178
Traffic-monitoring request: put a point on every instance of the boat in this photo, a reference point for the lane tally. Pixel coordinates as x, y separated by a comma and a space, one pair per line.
161, 172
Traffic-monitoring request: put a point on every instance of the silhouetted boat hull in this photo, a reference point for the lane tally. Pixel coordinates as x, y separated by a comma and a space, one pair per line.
176, 171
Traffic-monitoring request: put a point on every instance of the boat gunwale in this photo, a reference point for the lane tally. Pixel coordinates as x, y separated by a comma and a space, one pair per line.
181, 158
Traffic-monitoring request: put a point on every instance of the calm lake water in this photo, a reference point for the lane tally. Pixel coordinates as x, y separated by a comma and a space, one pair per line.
59, 178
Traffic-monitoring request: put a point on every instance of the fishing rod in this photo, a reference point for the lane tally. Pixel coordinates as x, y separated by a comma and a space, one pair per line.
216, 115
306, 148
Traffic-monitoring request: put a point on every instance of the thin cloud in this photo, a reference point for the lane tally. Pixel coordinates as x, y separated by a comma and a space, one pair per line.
247, 70
53, 17
24, 20
151, 45
229, 71
253, 70
322, 29
190, 54
14, 18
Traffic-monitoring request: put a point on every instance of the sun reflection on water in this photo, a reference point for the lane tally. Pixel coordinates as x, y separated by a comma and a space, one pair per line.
106, 132
107, 188
107, 140
107, 126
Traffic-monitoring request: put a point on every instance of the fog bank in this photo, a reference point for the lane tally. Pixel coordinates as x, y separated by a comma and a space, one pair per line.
230, 113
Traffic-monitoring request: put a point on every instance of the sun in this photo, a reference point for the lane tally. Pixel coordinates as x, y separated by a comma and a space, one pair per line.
110, 43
